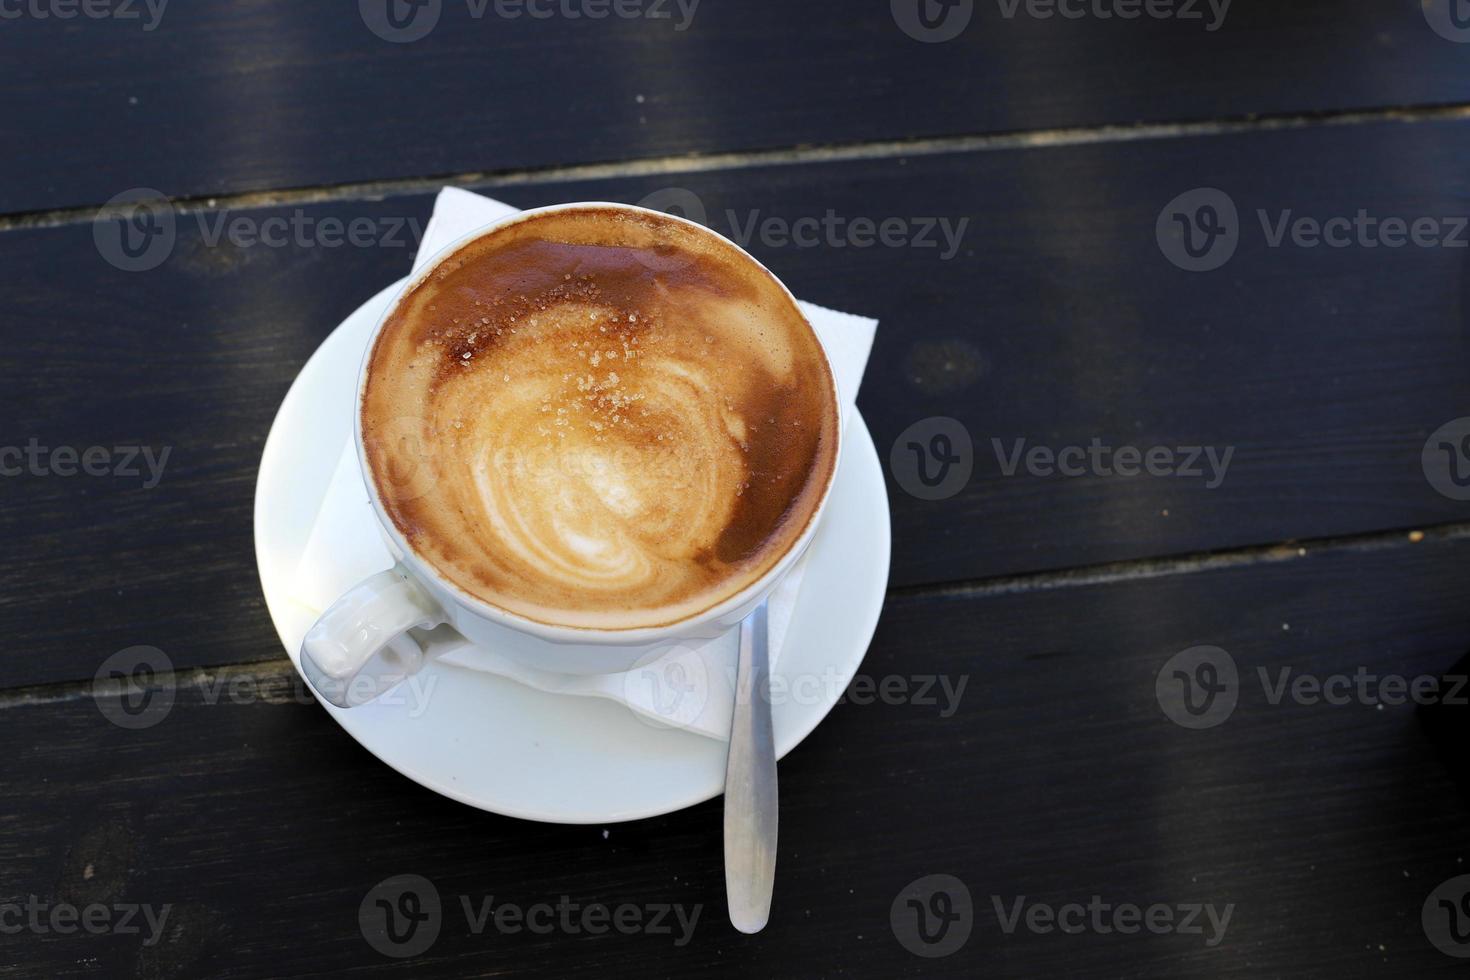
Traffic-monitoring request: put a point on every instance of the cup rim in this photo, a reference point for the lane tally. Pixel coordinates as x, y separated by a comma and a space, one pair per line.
556, 632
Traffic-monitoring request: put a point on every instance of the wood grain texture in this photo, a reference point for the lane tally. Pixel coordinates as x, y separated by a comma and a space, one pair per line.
1057, 321
1054, 775
265, 94
1054, 318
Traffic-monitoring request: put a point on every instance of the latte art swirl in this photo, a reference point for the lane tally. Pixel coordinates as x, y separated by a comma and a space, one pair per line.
595, 418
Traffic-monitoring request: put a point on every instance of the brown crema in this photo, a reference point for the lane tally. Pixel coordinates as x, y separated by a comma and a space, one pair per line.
599, 418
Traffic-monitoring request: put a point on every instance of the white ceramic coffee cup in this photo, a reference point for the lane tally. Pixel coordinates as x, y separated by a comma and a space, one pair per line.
390, 625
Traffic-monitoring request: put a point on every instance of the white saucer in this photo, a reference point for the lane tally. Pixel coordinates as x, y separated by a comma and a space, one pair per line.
494, 744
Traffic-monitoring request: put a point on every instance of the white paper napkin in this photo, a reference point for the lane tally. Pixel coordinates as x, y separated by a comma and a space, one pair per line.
692, 687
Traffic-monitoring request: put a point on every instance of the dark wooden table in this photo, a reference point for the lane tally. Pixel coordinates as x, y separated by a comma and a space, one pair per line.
1326, 356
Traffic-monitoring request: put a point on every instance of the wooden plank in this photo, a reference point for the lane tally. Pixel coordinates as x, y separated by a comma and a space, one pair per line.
1053, 775
1057, 321
266, 94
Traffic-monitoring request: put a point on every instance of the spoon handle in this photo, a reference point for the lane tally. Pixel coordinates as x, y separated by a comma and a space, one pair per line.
751, 801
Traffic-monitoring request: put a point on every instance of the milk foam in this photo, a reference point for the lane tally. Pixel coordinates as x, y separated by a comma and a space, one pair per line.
593, 418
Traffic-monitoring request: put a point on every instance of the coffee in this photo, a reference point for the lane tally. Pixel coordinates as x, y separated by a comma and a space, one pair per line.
598, 417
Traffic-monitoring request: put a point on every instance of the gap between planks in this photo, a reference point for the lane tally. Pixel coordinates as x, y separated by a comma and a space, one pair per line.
704, 163
1187, 564
279, 675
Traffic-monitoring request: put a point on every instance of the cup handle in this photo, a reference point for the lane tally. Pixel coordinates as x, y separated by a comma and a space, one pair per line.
363, 646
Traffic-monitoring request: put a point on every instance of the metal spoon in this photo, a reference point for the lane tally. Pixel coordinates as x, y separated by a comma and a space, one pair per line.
751, 801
